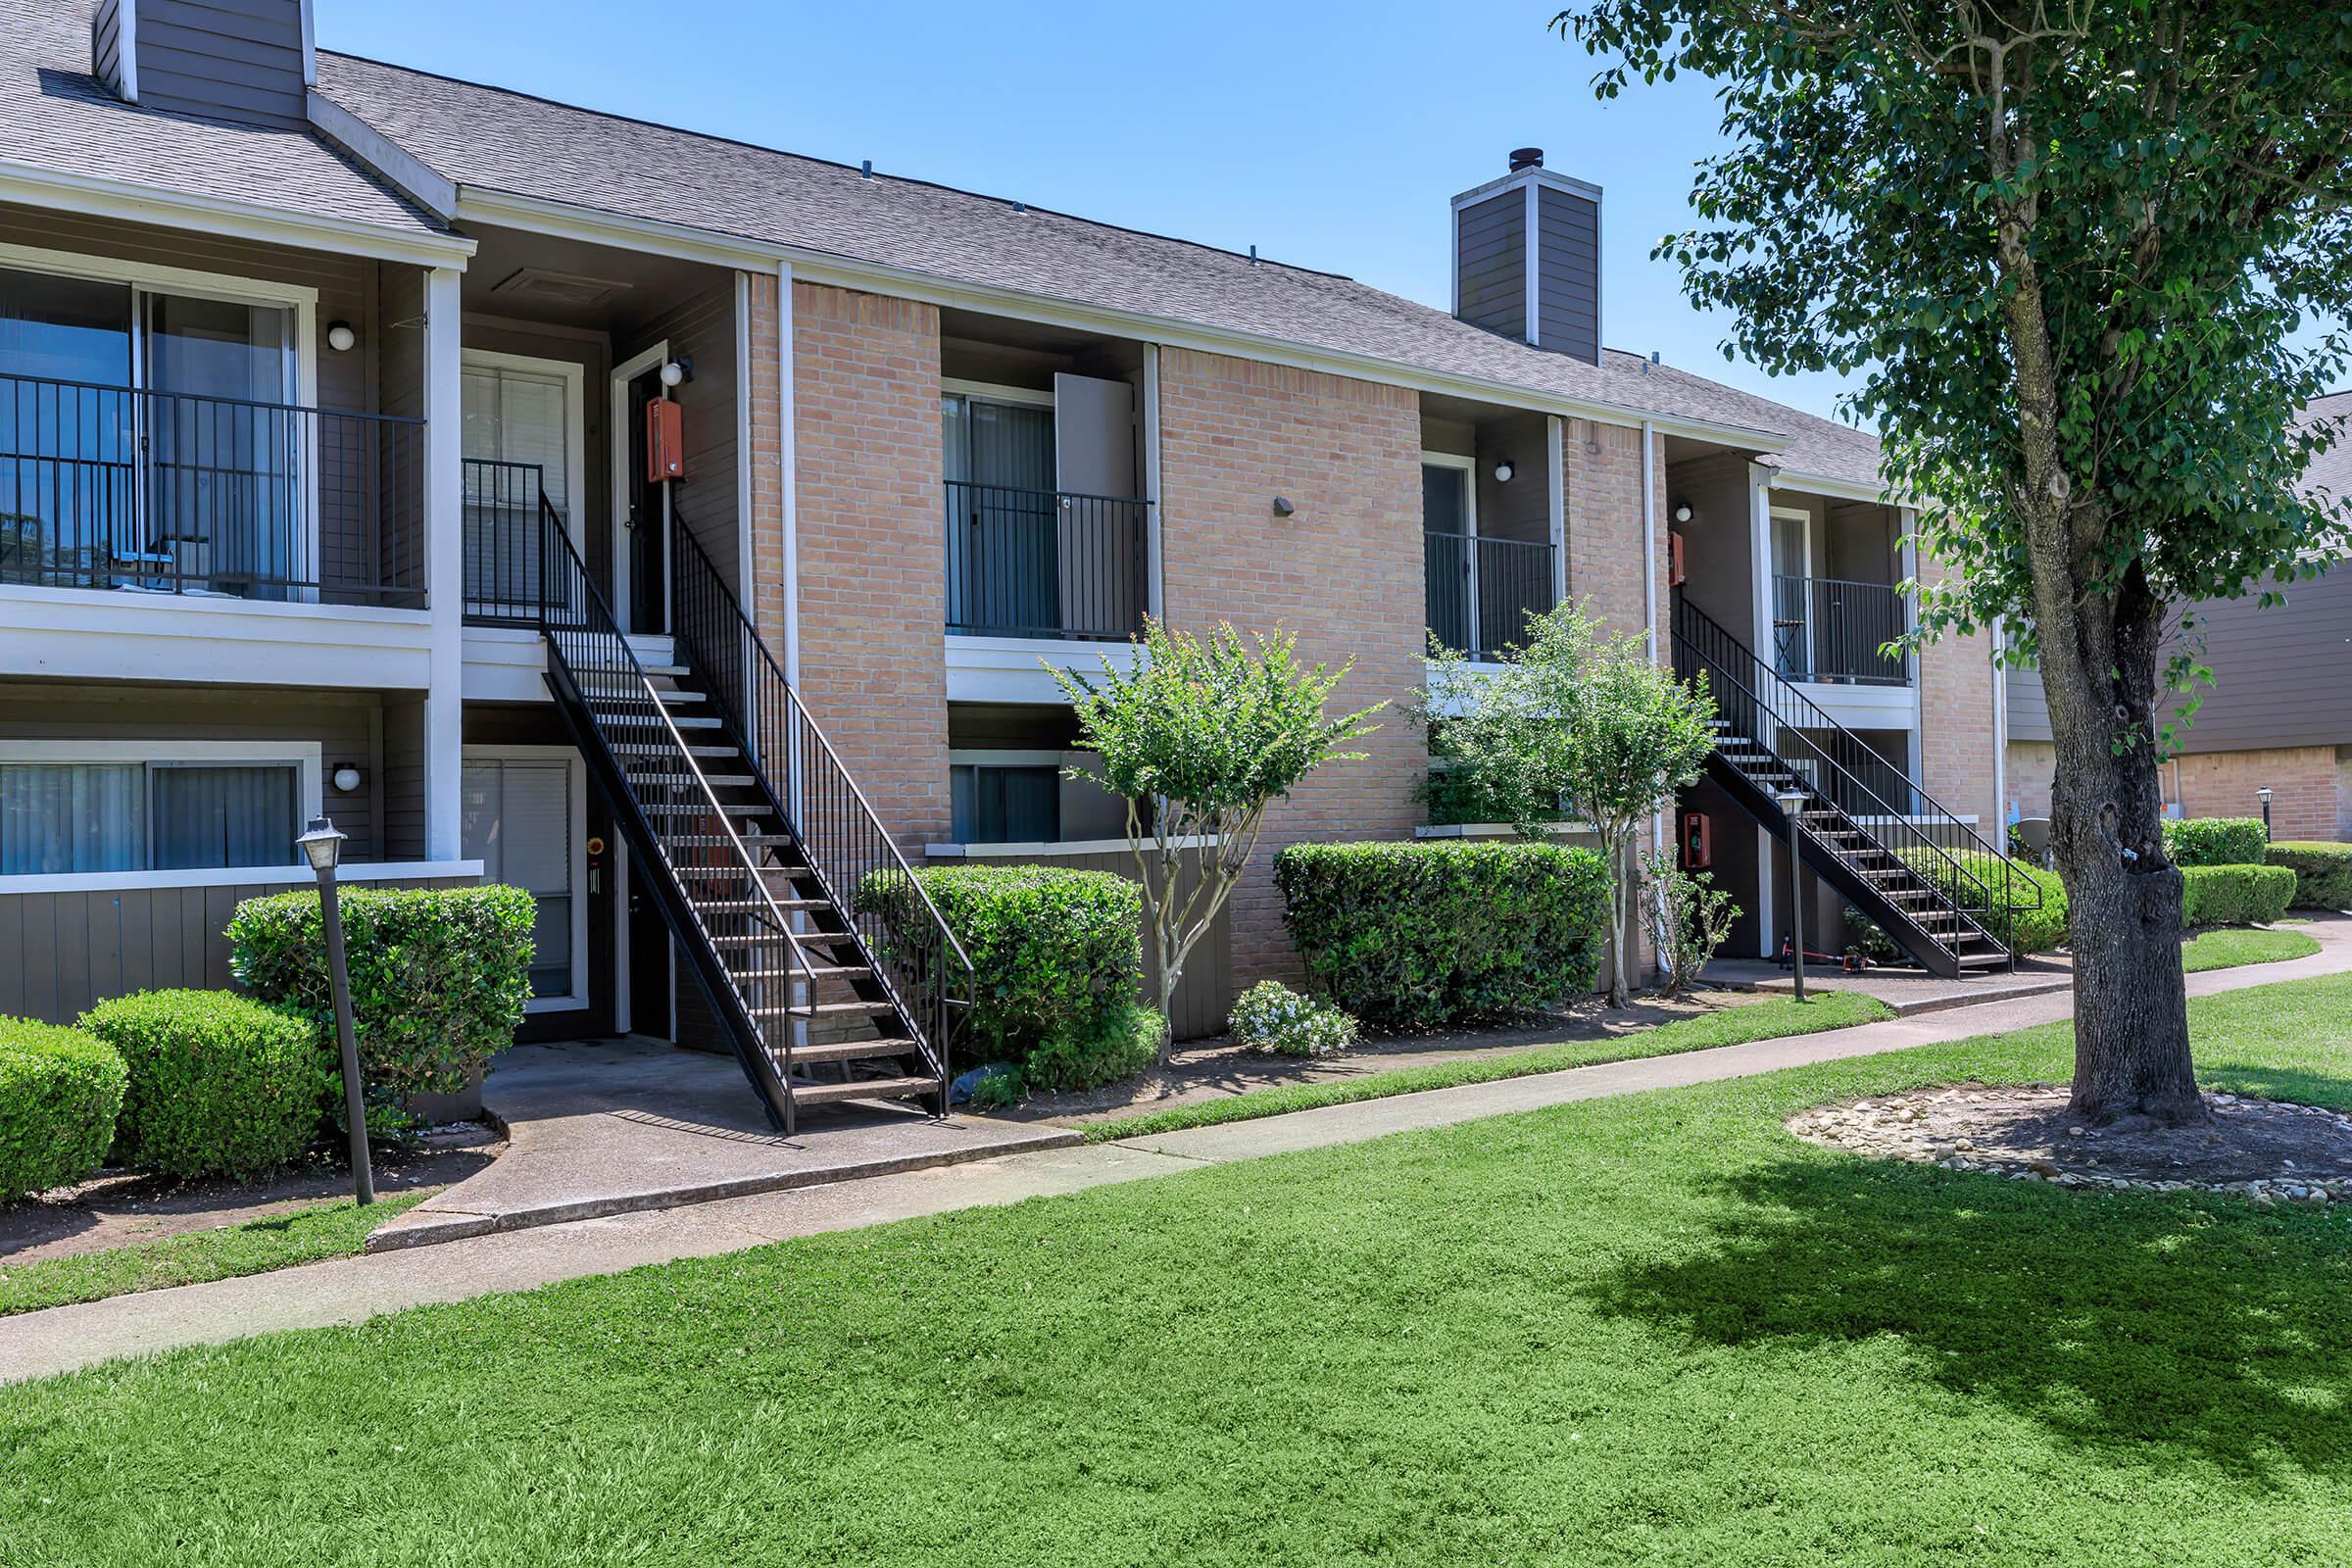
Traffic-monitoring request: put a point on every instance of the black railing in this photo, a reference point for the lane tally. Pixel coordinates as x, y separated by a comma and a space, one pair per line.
1482, 591
1849, 787
1047, 562
115, 488
859, 866
505, 572
1828, 629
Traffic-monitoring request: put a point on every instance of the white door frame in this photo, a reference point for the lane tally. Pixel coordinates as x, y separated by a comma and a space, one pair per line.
576, 833
574, 377
623, 444
1468, 467
1803, 518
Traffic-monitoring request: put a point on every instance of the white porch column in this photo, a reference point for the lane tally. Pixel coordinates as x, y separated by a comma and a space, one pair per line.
1913, 663
1155, 563
1555, 446
1759, 555
444, 567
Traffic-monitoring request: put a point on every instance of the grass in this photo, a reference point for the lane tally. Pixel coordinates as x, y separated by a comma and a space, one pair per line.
1732, 1026
279, 1240
1654, 1329
2227, 946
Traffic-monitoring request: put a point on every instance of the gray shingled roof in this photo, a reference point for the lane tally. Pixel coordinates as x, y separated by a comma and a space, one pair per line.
56, 118
509, 143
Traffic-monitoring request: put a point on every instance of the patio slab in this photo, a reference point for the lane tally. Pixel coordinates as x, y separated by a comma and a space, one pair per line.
612, 1127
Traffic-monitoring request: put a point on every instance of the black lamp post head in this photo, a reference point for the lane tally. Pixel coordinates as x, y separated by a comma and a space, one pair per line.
321, 843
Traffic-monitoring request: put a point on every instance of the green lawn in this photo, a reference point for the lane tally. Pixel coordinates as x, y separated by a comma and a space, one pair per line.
1757, 1020
1652, 1329
298, 1236
2227, 946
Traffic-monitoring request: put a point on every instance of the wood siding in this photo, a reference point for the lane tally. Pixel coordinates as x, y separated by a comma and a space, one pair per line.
62, 952
1490, 240
1568, 273
228, 58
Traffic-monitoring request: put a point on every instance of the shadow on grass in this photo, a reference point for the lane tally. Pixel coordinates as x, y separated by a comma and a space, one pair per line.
2203, 1328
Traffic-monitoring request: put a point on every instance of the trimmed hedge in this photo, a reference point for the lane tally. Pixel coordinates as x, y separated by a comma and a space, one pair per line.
2031, 928
2322, 874
2235, 895
220, 1084
59, 1092
1058, 962
439, 980
1416, 936
2214, 841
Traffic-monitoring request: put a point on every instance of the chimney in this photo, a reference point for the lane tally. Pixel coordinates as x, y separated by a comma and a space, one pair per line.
1527, 258
251, 62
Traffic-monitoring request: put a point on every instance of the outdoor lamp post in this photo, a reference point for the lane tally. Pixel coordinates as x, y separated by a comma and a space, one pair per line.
1792, 802
2264, 796
323, 847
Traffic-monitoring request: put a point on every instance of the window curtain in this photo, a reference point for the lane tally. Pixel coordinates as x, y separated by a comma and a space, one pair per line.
1004, 553
218, 817
58, 817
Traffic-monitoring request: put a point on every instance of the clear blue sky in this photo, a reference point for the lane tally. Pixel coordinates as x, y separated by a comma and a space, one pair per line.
1327, 135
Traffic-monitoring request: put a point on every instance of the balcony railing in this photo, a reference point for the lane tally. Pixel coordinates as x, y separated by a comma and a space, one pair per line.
1047, 562
111, 487
1481, 591
1824, 629
505, 570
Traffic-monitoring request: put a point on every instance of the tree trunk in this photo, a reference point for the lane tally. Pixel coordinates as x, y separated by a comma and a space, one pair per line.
1171, 968
1621, 911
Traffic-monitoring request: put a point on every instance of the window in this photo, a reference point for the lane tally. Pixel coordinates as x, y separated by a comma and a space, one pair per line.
519, 816
157, 816
514, 415
994, 803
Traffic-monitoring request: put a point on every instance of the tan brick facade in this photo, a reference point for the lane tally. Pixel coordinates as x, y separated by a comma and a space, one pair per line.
1343, 573
1605, 540
2030, 770
2308, 799
1958, 681
872, 565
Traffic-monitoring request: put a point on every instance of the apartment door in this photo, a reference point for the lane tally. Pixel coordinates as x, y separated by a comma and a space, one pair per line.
645, 515
1004, 531
1099, 535
1792, 593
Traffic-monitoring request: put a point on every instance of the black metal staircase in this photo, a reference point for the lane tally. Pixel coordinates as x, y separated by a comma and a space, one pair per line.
1929, 880
769, 867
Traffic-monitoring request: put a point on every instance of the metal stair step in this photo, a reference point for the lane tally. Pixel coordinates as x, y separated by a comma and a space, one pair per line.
637, 721
812, 1094
840, 1009
645, 749
856, 1050
717, 781
667, 693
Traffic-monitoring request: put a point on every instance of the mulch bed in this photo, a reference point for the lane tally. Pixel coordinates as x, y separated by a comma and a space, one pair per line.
2267, 1150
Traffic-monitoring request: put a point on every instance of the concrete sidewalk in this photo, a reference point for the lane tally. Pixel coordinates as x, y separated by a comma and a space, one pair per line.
352, 1290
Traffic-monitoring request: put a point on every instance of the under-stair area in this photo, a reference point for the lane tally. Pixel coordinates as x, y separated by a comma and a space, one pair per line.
833, 977
1929, 880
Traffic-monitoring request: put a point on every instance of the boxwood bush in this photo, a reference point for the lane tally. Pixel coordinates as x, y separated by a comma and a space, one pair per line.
1058, 962
59, 1092
2322, 874
2214, 841
1416, 936
2235, 895
439, 980
220, 1084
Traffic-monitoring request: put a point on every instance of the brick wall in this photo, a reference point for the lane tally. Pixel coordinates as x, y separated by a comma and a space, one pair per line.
766, 604
2032, 769
1956, 732
2302, 781
1343, 573
872, 565
1604, 541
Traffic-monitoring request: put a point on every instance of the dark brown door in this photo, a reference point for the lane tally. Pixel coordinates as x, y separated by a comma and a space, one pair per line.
648, 609
647, 937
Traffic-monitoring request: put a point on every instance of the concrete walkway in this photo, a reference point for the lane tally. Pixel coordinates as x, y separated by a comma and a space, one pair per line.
352, 1290
1909, 992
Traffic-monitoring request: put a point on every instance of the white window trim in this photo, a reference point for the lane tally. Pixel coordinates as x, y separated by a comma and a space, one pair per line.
577, 791
238, 876
307, 756
991, 392
574, 377
1803, 515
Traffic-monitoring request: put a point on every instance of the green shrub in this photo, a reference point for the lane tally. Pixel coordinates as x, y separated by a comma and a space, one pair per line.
2214, 841
59, 1092
439, 980
2038, 914
2235, 895
2322, 874
1414, 936
1084, 1053
1057, 956
1271, 1017
220, 1084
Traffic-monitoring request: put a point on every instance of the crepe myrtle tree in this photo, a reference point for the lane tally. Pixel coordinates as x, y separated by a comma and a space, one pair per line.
1199, 739
2085, 260
1579, 717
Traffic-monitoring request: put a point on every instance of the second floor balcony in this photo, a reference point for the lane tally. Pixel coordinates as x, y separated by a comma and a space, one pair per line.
1482, 591
139, 491
1046, 563
1831, 630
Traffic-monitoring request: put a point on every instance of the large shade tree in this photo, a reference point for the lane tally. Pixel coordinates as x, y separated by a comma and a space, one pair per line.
2086, 259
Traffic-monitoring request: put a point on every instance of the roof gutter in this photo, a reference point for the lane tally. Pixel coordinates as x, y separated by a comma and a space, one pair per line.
565, 219
212, 215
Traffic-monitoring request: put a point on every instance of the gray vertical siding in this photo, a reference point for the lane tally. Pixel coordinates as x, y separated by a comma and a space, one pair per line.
2029, 704
1490, 240
1718, 555
702, 329
228, 58
1568, 273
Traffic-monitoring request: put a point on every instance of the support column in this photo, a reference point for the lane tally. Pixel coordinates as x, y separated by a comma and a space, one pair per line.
444, 568
1555, 449
1913, 663
1155, 588
1759, 555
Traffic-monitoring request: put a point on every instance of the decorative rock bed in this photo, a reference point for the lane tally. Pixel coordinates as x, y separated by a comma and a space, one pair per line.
2264, 1150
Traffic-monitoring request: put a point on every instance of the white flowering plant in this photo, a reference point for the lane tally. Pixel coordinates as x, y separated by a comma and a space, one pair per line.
1271, 1017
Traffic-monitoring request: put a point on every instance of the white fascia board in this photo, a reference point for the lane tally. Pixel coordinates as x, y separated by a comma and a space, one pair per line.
1013, 670
537, 215
390, 161
504, 665
234, 876
212, 215
91, 634
1534, 174
1047, 852
1815, 484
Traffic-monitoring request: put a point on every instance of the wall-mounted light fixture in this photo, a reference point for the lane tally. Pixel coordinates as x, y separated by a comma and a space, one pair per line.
677, 372
340, 337
1681, 513
1504, 472
347, 778
1283, 507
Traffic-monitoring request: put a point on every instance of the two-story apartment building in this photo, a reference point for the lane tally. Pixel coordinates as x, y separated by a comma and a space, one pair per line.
681, 529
